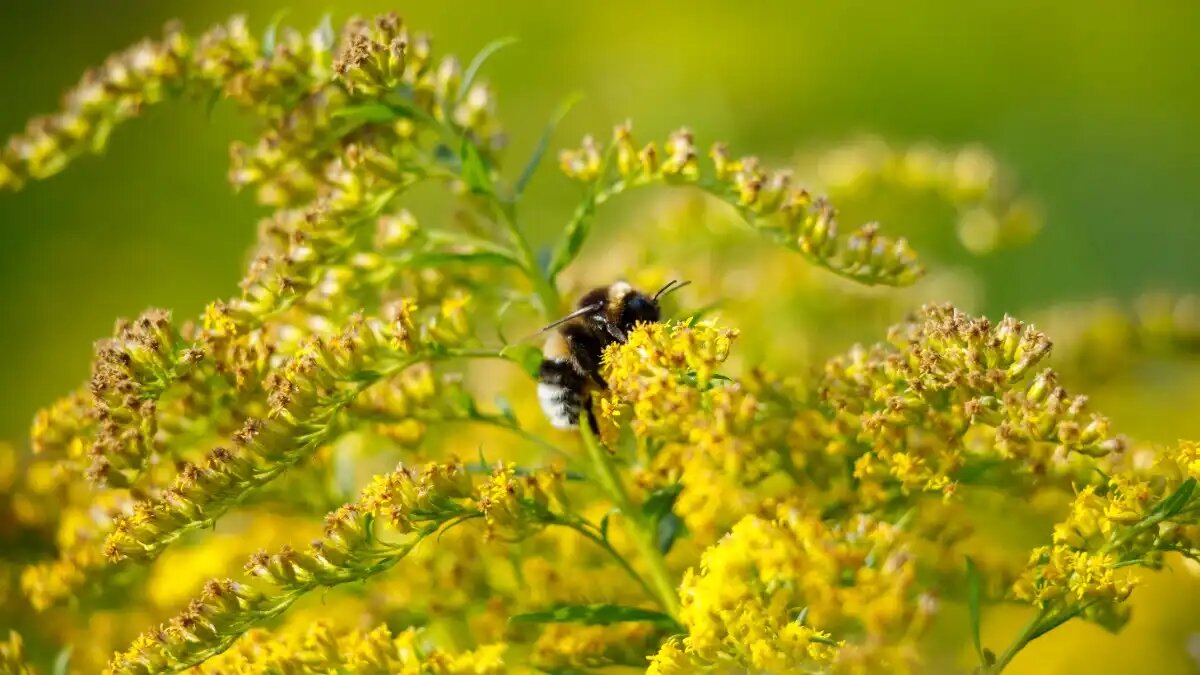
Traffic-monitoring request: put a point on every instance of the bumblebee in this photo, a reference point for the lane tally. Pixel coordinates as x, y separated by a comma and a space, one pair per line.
570, 368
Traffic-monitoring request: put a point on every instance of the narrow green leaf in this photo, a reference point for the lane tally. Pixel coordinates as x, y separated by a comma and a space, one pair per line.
210, 105
659, 503
369, 112
974, 597
380, 202
575, 233
272, 31
473, 257
476, 63
324, 32
1130, 563
527, 356
1177, 500
475, 172
593, 615
670, 529
482, 467
62, 661
604, 523
663, 522
506, 410
535, 159
464, 402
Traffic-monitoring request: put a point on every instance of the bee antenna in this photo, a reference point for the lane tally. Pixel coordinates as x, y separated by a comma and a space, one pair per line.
668, 288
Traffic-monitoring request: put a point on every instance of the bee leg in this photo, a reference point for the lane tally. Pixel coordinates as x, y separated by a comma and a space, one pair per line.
591, 419
585, 352
599, 380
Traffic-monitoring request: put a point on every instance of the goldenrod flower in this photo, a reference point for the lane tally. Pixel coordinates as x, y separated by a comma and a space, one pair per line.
12, 656
564, 646
795, 594
787, 214
322, 648
991, 213
725, 518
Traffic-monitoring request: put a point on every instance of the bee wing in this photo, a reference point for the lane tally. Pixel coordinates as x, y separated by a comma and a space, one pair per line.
587, 309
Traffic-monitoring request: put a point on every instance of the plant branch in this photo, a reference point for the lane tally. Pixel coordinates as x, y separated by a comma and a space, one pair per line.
643, 538
1027, 634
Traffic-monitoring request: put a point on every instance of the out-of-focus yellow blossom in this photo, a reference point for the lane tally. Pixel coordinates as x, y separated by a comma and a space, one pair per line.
176, 576
563, 646
323, 649
1100, 341
12, 656
794, 594
402, 408
361, 539
991, 214
515, 506
305, 396
79, 554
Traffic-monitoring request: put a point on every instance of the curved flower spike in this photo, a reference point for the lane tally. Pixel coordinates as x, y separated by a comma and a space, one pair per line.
765, 198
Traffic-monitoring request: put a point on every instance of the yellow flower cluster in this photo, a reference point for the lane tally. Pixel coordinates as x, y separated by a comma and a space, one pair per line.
708, 434
648, 369
360, 539
121, 88
79, 519
1128, 519
767, 199
12, 656
61, 428
562, 646
798, 594
1101, 341
514, 507
948, 393
402, 408
323, 649
129, 376
305, 146
304, 396
727, 519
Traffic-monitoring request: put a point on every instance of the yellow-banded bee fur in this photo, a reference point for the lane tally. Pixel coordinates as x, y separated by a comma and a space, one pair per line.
570, 368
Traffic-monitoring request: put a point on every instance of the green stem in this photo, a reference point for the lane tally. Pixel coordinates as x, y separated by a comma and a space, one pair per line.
1026, 635
225, 638
502, 423
616, 555
643, 538
542, 285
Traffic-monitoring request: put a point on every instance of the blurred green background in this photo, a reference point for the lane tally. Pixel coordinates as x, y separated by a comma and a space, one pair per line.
1095, 106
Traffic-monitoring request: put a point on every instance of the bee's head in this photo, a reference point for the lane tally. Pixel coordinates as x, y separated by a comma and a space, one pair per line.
637, 308
634, 307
